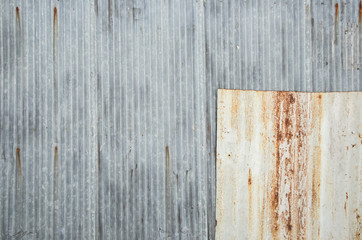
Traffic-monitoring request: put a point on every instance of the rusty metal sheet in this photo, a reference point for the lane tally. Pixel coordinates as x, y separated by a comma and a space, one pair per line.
288, 165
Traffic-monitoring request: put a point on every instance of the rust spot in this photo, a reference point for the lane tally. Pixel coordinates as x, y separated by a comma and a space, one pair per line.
320, 96
336, 7
347, 148
345, 205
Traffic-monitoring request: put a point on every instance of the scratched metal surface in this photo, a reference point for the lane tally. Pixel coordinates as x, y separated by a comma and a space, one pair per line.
108, 108
289, 165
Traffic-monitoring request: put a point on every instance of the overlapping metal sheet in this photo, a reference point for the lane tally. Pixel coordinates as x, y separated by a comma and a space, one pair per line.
92, 93
289, 165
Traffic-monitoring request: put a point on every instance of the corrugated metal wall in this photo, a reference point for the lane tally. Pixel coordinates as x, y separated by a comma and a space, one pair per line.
108, 108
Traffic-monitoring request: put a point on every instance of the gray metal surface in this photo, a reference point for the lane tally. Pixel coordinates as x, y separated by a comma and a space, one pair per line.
108, 108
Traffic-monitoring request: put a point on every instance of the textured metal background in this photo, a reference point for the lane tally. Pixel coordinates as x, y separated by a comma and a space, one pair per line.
289, 166
108, 108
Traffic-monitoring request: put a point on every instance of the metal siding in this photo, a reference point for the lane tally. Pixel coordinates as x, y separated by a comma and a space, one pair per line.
94, 92
288, 165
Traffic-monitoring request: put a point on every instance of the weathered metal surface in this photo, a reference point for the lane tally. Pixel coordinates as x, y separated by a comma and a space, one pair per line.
289, 165
92, 92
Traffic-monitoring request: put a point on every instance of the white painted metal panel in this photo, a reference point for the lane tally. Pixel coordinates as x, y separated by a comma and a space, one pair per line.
288, 165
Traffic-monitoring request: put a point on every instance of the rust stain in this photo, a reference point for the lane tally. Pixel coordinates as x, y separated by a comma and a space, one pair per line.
56, 159
55, 30
179, 218
345, 205
317, 162
18, 162
235, 106
55, 18
360, 12
18, 16
250, 222
290, 168
336, 23
249, 109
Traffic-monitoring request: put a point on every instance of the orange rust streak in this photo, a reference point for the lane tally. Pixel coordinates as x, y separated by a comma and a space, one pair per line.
360, 11
336, 6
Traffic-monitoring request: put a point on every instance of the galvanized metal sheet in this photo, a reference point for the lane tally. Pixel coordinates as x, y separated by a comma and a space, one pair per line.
289, 165
93, 92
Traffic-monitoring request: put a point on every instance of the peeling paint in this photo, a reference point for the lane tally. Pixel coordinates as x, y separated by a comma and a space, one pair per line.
292, 157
